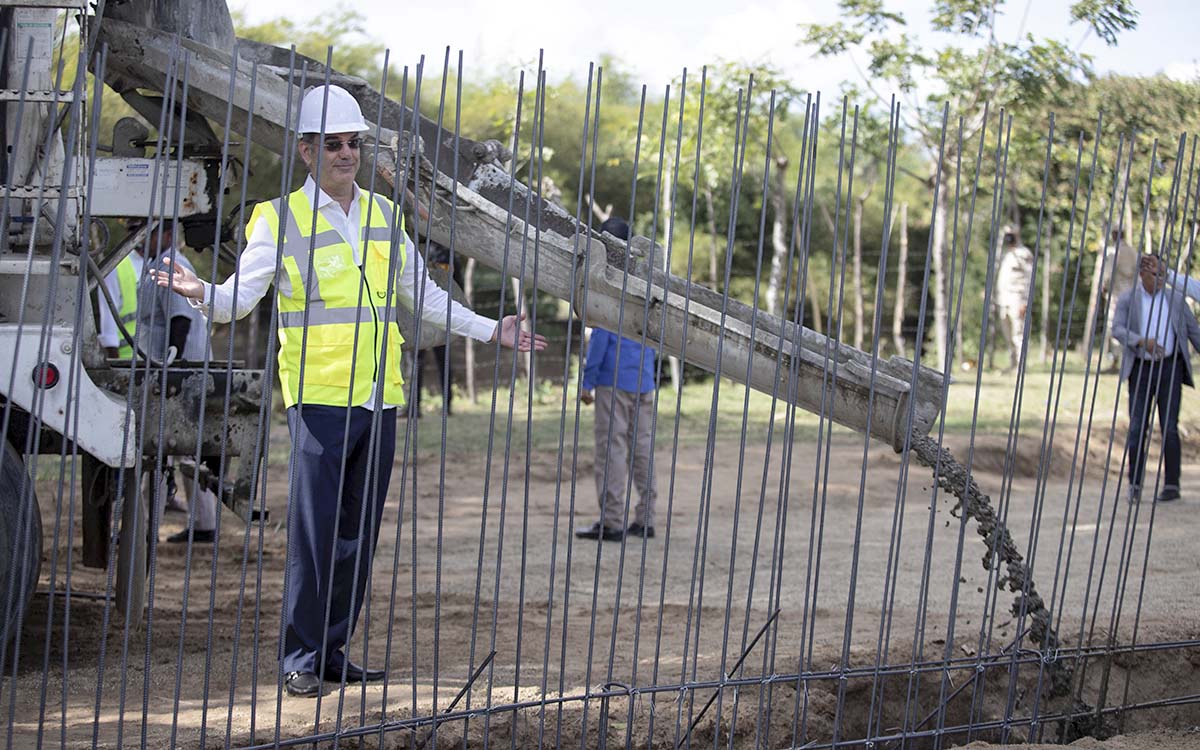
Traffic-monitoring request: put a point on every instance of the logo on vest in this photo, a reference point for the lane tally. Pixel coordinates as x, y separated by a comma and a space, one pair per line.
331, 265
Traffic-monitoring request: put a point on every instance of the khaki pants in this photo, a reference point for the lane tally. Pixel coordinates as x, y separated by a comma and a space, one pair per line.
1012, 329
616, 452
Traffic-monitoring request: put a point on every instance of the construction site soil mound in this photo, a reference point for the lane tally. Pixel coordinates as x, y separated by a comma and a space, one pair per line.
593, 624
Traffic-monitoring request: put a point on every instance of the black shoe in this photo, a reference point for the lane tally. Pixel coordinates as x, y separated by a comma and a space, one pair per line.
198, 537
1167, 495
599, 531
302, 684
636, 529
354, 673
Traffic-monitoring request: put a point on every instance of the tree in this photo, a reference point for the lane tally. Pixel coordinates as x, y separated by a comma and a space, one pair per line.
1143, 110
731, 103
972, 70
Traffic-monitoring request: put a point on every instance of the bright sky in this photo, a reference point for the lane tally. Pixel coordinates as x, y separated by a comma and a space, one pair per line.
655, 39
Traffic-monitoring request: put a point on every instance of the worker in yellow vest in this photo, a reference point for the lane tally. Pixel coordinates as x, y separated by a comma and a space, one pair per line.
340, 261
122, 287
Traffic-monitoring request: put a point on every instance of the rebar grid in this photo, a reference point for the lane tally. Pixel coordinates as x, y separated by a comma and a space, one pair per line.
782, 599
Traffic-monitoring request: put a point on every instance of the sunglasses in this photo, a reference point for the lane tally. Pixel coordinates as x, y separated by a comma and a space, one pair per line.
334, 145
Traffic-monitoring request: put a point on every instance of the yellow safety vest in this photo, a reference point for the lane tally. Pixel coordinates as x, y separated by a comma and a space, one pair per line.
344, 308
127, 282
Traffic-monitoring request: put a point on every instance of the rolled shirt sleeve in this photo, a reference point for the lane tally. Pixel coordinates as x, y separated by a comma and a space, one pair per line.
432, 306
254, 275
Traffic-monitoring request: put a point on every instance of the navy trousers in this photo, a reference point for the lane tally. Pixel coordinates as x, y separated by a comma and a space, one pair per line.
1154, 384
319, 442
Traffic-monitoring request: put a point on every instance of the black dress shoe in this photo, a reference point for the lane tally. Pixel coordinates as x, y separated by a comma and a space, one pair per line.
599, 531
1167, 495
636, 529
354, 673
198, 537
302, 684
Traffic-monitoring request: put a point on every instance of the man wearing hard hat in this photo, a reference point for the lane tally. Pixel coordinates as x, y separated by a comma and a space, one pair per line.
339, 258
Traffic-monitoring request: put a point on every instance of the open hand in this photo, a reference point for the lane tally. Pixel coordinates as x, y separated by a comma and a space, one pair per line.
179, 280
511, 335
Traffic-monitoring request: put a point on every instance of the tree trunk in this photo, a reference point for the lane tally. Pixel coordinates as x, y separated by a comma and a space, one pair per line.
940, 215
667, 217
857, 269
778, 239
526, 358
1046, 260
1128, 212
954, 304
1093, 313
814, 302
469, 352
901, 284
713, 276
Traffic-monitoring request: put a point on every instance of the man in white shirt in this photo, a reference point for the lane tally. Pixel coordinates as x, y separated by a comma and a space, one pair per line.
1155, 327
337, 273
1012, 293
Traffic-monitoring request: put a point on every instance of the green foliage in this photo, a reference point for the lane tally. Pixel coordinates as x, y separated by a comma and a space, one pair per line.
1107, 18
1018, 74
344, 32
966, 17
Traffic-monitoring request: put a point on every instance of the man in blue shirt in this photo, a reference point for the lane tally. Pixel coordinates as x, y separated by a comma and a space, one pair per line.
620, 372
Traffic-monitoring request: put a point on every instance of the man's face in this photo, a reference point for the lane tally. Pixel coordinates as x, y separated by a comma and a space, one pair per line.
160, 239
1153, 272
338, 166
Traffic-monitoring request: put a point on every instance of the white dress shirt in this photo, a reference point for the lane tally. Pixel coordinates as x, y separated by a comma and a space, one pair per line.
256, 272
1156, 320
110, 335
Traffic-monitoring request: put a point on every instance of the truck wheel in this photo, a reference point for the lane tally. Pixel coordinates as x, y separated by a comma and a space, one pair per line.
20, 542
130, 583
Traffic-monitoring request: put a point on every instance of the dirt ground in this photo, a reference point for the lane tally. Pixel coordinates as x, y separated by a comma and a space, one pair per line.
565, 618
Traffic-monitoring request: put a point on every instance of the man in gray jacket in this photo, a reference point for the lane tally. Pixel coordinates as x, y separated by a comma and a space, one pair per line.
1154, 326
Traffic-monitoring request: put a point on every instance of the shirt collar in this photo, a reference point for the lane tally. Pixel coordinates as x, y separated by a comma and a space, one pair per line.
318, 197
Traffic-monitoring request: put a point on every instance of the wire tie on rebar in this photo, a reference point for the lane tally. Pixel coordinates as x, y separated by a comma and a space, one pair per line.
608, 686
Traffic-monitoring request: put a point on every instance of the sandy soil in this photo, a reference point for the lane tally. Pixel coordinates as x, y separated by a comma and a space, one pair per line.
565, 618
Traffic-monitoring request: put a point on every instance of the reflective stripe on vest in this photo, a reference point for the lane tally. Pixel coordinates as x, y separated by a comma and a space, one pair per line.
127, 282
336, 314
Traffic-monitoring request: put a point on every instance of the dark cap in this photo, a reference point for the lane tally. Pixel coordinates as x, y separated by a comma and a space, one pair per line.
616, 226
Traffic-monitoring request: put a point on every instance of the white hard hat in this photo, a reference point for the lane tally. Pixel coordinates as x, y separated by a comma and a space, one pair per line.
341, 111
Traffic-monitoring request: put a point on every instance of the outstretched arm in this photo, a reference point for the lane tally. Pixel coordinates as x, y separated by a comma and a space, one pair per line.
179, 279
419, 292
1186, 284
252, 279
514, 337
